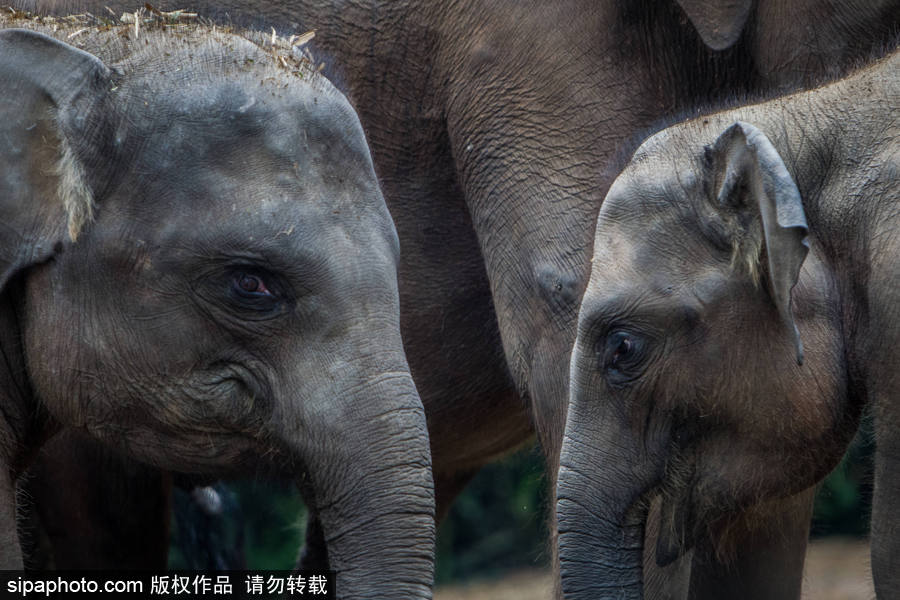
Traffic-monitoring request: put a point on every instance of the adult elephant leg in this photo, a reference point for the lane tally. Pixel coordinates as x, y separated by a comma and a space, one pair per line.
314, 554
10, 551
16, 426
449, 324
885, 534
114, 514
883, 391
765, 560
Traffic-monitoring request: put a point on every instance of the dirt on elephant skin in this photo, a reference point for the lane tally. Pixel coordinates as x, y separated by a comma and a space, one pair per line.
836, 569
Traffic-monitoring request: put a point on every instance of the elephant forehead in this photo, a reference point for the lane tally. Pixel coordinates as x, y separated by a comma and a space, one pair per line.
277, 209
655, 219
294, 123
630, 248
227, 146
658, 259
248, 201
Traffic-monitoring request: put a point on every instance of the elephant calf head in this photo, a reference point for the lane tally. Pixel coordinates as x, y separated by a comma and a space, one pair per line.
203, 272
686, 376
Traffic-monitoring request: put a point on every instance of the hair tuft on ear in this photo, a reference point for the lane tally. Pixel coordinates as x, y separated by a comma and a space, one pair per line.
747, 251
74, 192
751, 181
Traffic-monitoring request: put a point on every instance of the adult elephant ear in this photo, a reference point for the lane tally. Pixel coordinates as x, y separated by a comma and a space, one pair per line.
51, 95
719, 22
750, 179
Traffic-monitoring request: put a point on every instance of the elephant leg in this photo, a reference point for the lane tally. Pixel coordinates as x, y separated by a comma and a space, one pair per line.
885, 534
760, 556
314, 555
10, 550
114, 512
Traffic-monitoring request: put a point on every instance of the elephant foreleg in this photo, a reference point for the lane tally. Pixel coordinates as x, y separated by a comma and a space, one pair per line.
10, 551
314, 555
762, 557
885, 518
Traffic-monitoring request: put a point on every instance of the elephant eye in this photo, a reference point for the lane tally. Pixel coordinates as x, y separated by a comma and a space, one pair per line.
251, 286
255, 290
246, 292
622, 354
622, 347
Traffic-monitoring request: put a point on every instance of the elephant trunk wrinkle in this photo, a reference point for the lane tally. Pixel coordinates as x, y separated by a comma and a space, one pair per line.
366, 476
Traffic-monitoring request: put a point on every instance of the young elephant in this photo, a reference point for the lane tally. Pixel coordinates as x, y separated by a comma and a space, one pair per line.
197, 266
742, 309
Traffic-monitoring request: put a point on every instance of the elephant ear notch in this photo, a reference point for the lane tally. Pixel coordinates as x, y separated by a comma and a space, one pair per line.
719, 22
49, 91
751, 177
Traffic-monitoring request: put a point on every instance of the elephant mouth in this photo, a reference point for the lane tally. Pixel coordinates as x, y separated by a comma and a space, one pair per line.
235, 391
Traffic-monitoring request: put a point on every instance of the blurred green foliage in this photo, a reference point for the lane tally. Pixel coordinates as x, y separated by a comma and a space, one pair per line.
844, 501
498, 523
276, 525
262, 526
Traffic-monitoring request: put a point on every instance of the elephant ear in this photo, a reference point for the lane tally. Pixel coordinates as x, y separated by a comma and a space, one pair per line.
719, 22
50, 90
750, 178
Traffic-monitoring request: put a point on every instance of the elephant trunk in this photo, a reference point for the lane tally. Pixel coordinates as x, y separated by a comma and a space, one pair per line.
609, 463
368, 481
601, 535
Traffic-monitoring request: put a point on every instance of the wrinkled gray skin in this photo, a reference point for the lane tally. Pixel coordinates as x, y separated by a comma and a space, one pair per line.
742, 310
233, 301
492, 124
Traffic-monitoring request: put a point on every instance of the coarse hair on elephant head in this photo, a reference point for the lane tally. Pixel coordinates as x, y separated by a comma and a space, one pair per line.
197, 267
708, 370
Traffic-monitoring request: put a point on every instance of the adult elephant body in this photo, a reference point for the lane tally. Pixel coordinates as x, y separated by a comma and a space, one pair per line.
493, 125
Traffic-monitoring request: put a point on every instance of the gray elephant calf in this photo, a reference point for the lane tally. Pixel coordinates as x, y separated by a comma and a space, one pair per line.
743, 307
197, 266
